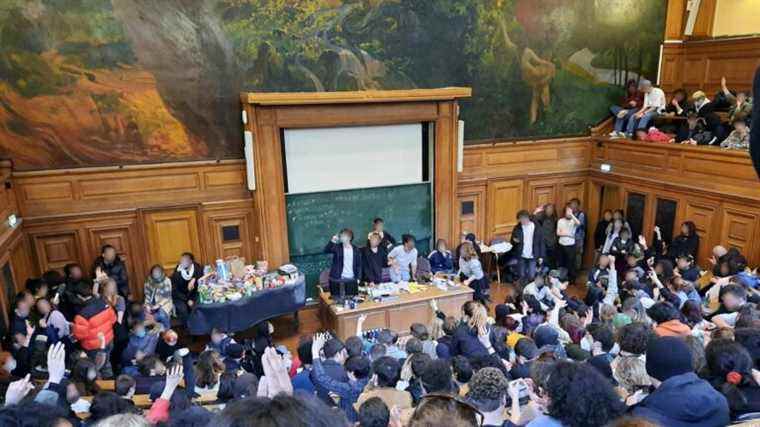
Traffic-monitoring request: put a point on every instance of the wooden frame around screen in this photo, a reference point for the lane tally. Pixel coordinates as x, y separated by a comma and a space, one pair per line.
269, 113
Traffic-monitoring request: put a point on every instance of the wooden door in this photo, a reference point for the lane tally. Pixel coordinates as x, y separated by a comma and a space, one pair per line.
505, 199
571, 189
471, 213
739, 229
541, 192
56, 249
703, 213
169, 234
124, 236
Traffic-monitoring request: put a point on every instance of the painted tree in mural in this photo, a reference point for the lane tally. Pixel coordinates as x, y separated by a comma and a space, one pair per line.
86, 82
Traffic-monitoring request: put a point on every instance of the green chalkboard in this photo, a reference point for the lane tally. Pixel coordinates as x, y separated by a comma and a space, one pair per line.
315, 217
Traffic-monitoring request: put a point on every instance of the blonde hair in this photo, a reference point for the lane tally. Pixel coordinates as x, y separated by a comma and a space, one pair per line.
631, 373
607, 312
436, 329
477, 316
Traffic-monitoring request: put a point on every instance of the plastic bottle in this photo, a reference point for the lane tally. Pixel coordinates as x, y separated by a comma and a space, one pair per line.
221, 269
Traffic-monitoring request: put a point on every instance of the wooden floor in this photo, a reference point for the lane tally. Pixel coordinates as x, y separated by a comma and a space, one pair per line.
286, 333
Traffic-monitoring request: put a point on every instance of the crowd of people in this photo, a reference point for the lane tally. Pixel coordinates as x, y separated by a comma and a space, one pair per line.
642, 337
691, 120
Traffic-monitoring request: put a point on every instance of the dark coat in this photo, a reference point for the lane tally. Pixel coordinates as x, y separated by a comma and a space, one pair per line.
600, 233
94, 318
685, 245
336, 250
685, 401
539, 247
466, 343
373, 264
179, 285
117, 271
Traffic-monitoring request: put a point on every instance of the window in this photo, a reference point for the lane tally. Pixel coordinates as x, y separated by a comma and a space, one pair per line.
230, 233
634, 213
665, 218
468, 207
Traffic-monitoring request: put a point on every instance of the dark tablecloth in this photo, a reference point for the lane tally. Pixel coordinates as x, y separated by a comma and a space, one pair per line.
235, 316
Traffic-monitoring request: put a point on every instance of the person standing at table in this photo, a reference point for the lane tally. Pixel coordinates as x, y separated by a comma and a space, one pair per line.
387, 241
403, 260
184, 285
346, 258
528, 246
374, 259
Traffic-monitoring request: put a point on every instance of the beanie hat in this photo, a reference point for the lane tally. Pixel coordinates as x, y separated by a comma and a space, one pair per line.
668, 357
545, 335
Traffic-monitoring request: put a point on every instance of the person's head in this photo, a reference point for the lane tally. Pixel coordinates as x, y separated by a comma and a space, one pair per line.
208, 368
138, 329
684, 261
688, 228
7, 362
607, 215
386, 371
634, 337
107, 403
574, 204
419, 331
692, 119
625, 234
346, 236
691, 312
697, 348
72, 272
667, 357
526, 350
540, 280
617, 225
749, 338
124, 420
374, 413
740, 123
186, 259
335, 349
462, 369
631, 373
449, 325
22, 304
679, 95
374, 239
733, 297
439, 409
475, 314
304, 350
413, 346
631, 88
437, 378
43, 307
603, 335
84, 371
157, 272
524, 217
645, 86
467, 251
662, 312
281, 410
108, 253
699, 97
31, 413
152, 366
408, 241
110, 288
729, 367
440, 244
618, 214
550, 210
125, 386
378, 224
354, 346
568, 211
488, 390
603, 261
37, 287
579, 395
419, 362
358, 367
377, 351
719, 251
388, 337
217, 335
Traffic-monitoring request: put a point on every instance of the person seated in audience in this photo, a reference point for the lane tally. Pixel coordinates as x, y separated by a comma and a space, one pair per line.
694, 131
488, 392
143, 339
730, 371
185, 286
108, 403
403, 260
471, 273
527, 246
233, 360
678, 105
471, 336
220, 341
680, 397
441, 260
653, 106
84, 374
733, 299
167, 346
302, 379
387, 241
740, 103
462, 371
346, 265
374, 413
466, 237
687, 241
526, 353
93, 328
446, 341
150, 371
706, 111
37, 287
386, 372
437, 378
125, 386
686, 267
738, 139
208, 372
629, 105
333, 355
158, 296
279, 409
420, 332
374, 259
51, 322
110, 265
622, 245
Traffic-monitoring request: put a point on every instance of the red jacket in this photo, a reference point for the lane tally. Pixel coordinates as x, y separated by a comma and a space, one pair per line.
94, 318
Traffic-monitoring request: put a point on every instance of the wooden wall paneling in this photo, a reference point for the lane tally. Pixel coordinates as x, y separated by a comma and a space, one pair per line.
445, 185
703, 27
238, 218
739, 229
55, 249
6, 288
476, 221
22, 261
571, 188
123, 233
675, 19
704, 213
171, 232
505, 199
540, 192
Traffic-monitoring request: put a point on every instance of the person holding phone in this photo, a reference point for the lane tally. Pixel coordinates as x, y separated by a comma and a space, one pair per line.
346, 267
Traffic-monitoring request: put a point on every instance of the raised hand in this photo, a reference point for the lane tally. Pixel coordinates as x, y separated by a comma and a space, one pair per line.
56, 362
434, 305
316, 345
173, 377
17, 390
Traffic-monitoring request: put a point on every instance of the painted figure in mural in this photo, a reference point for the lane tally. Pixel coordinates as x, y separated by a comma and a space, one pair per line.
538, 74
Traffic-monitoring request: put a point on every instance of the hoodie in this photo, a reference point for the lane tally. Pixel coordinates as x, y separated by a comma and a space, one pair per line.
685, 401
672, 328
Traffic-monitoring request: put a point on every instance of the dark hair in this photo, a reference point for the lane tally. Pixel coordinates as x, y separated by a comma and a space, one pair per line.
443, 409
83, 289
692, 312
579, 396
359, 366
31, 413
691, 227
70, 266
749, 338
526, 348
413, 346
374, 413
735, 290
281, 410
726, 357
603, 334
106, 247
387, 370
407, 238
189, 255
449, 325
208, 369
148, 363
332, 347
79, 375
377, 220
304, 350
662, 312
419, 331
349, 232
53, 278
634, 337
522, 213
34, 285
437, 376
354, 346
419, 362
387, 337
20, 297
377, 351
123, 384
107, 403
488, 389
489, 361
748, 317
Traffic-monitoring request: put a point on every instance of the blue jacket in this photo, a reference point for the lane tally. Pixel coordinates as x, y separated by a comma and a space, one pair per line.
331, 369
146, 344
466, 343
348, 391
336, 249
685, 401
302, 381
441, 261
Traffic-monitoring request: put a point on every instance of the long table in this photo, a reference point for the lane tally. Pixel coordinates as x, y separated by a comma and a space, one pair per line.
397, 315
235, 316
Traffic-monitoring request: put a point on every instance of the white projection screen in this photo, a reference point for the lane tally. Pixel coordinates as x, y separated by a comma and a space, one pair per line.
345, 158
